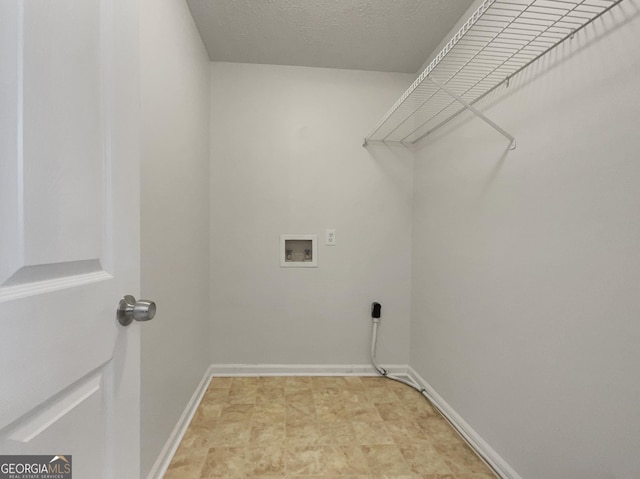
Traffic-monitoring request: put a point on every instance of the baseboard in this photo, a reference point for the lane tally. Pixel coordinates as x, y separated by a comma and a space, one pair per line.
301, 369
490, 456
166, 454
486, 452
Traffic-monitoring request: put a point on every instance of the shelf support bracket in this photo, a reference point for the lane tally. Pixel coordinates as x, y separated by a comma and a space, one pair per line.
475, 111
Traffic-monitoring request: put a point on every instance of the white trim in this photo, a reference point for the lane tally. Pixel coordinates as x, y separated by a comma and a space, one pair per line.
171, 446
484, 450
301, 369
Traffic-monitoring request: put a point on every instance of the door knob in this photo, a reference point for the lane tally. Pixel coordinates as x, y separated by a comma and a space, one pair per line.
130, 309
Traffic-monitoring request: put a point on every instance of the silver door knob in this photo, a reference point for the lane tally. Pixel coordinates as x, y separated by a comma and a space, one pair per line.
130, 309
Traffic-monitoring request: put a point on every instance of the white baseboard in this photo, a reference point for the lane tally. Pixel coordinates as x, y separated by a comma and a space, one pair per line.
486, 452
301, 369
166, 454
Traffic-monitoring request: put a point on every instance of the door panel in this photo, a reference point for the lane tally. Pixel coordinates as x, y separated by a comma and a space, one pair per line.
54, 195
69, 216
9, 127
64, 157
41, 432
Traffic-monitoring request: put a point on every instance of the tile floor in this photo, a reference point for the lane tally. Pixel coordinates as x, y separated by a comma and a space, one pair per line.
320, 427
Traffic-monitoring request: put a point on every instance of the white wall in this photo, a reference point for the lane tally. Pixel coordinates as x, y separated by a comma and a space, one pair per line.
175, 216
526, 312
287, 158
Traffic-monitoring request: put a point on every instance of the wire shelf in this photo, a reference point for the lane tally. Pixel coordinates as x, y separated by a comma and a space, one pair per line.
501, 38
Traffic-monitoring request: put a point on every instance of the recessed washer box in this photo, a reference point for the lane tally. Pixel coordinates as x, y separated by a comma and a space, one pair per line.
298, 251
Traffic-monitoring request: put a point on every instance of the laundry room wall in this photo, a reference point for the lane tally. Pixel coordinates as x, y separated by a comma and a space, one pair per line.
526, 267
175, 217
287, 158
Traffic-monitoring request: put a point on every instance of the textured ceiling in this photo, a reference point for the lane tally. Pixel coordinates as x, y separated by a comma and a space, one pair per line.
380, 35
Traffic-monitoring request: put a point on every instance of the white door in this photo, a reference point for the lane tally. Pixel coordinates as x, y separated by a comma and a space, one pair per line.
69, 239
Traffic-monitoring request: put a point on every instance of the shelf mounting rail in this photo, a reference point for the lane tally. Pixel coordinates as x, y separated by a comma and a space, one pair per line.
501, 38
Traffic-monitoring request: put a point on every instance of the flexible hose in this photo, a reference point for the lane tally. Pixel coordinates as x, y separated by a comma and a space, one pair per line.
382, 371
374, 340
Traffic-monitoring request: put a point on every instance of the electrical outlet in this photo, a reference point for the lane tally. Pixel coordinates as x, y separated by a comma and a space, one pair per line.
330, 238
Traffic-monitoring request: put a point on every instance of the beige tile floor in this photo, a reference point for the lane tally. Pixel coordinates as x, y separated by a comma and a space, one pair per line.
320, 427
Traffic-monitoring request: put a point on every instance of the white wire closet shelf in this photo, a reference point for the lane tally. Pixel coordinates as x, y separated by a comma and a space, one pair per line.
501, 38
